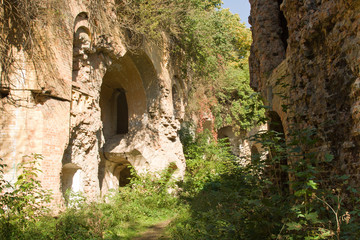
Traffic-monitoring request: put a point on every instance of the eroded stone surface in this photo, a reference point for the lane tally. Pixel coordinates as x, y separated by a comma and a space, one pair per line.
321, 74
75, 118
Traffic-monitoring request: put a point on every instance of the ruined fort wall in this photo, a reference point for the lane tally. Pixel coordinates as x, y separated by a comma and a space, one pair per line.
320, 82
63, 102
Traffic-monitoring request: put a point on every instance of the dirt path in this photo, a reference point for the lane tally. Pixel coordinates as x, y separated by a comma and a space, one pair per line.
155, 232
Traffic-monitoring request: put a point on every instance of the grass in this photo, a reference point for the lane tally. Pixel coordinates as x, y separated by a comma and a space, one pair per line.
219, 199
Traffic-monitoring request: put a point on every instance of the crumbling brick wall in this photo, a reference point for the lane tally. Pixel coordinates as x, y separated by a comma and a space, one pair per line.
61, 97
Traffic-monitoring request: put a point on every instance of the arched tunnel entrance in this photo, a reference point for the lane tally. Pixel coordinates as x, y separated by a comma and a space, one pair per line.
278, 154
230, 139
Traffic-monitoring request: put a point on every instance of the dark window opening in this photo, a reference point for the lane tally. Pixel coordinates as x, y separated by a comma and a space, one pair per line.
283, 24
122, 113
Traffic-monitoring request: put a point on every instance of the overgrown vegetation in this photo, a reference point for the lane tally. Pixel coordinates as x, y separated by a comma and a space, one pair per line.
121, 214
218, 199
237, 104
230, 201
23, 202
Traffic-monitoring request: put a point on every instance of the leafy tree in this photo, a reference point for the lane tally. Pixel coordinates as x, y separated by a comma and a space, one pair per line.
238, 105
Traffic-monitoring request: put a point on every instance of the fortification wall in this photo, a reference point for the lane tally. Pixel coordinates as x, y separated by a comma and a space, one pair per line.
318, 42
88, 104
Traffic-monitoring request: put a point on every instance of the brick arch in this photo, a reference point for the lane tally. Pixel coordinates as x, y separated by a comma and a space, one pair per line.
71, 178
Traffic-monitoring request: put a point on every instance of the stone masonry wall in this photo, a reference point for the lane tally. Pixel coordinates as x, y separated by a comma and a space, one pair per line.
64, 104
322, 70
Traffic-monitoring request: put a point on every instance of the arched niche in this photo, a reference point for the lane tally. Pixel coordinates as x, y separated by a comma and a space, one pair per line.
281, 177
82, 19
123, 100
71, 178
81, 43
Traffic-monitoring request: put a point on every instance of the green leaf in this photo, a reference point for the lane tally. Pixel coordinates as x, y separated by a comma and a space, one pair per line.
313, 217
294, 226
300, 192
312, 184
328, 157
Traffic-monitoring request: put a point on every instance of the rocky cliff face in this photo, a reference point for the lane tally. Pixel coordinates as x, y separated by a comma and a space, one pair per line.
87, 103
317, 43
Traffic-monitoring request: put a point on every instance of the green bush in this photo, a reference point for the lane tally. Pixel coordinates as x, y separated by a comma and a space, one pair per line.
125, 213
22, 203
